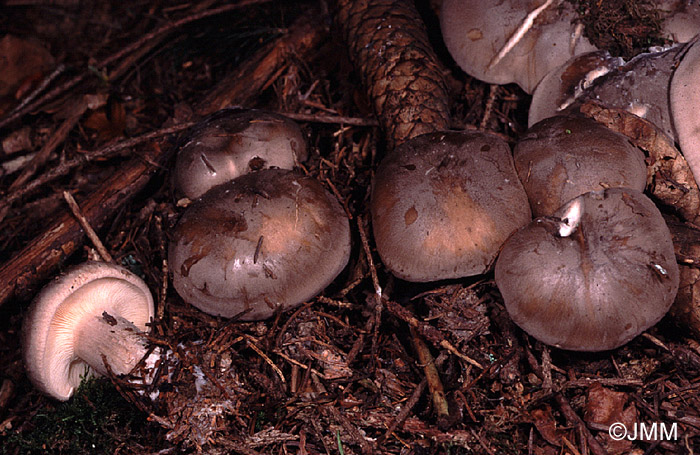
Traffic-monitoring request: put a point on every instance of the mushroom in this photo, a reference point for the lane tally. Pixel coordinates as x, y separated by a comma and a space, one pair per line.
443, 204
681, 19
562, 85
641, 87
561, 157
594, 275
233, 142
92, 316
685, 99
478, 35
265, 241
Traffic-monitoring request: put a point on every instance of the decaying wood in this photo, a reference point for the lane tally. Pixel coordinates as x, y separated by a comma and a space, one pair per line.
40, 258
302, 38
686, 308
389, 47
669, 178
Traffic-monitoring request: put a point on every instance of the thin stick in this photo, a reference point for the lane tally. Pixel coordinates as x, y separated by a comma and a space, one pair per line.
518, 34
75, 208
104, 152
138, 44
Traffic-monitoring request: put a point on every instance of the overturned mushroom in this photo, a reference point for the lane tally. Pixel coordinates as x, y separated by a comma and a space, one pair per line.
594, 275
93, 315
478, 35
233, 142
443, 204
265, 241
561, 157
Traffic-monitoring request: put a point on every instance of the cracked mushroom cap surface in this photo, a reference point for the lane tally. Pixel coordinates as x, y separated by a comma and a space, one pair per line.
562, 157
443, 203
593, 276
474, 32
233, 142
55, 317
266, 240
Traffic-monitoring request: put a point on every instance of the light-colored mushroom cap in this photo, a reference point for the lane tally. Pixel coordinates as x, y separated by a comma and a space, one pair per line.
561, 86
474, 32
269, 239
592, 277
681, 19
561, 157
443, 204
56, 315
234, 142
641, 87
685, 105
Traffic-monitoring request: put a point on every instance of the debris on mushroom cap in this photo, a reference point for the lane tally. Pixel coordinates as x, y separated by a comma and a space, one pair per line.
266, 240
640, 87
475, 30
612, 276
443, 204
233, 142
57, 352
685, 100
561, 86
561, 157
681, 19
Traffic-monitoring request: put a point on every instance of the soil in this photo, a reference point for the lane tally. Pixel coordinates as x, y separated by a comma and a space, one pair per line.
425, 369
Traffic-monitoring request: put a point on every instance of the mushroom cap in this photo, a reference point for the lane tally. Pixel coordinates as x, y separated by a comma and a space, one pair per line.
685, 100
561, 86
474, 31
592, 277
681, 19
53, 318
269, 239
443, 203
233, 142
561, 157
641, 87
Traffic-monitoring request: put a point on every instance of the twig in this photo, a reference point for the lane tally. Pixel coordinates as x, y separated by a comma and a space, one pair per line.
75, 208
431, 374
138, 44
404, 412
493, 90
518, 34
104, 152
333, 119
58, 137
40, 88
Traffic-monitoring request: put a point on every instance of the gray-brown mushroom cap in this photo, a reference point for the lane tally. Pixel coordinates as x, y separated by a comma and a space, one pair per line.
443, 204
561, 157
592, 277
233, 142
267, 240
61, 343
475, 30
685, 101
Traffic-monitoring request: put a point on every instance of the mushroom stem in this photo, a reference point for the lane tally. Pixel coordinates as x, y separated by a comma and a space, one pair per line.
108, 340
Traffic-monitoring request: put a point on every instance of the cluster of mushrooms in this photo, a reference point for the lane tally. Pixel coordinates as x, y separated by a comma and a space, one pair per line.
256, 237
595, 268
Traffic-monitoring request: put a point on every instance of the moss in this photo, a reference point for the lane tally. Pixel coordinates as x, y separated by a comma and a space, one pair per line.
96, 420
624, 27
